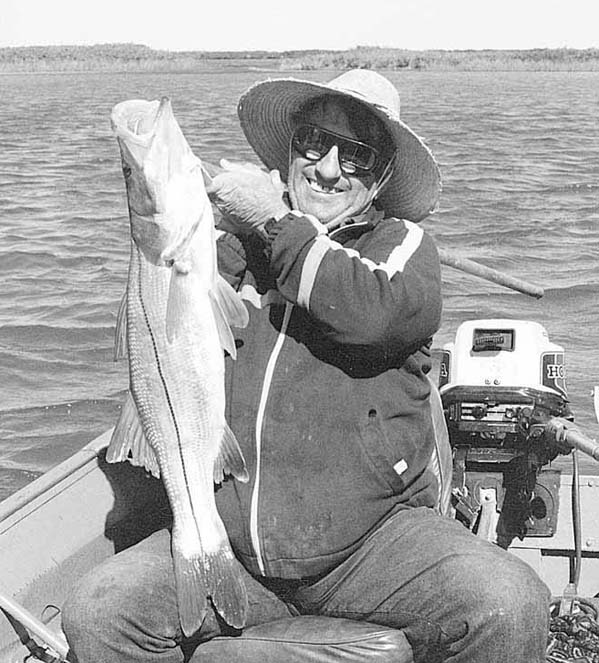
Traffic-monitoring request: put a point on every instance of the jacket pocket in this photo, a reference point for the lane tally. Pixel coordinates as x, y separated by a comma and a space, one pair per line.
382, 453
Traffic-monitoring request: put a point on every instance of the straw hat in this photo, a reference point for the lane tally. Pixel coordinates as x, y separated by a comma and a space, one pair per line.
265, 112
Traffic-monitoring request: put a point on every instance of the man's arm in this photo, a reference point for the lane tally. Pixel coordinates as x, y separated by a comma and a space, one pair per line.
390, 297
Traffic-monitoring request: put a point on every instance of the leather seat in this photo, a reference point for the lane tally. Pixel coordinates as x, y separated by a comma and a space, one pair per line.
309, 639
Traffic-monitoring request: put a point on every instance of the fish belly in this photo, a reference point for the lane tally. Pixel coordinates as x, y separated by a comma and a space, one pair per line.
178, 388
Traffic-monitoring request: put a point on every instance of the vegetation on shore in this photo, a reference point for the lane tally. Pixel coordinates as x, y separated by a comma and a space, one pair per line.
368, 57
136, 57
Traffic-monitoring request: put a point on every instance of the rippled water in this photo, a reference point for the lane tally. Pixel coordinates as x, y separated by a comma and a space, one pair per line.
519, 154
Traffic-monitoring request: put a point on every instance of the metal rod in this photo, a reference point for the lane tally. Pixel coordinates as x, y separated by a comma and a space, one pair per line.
576, 521
33, 625
577, 440
489, 274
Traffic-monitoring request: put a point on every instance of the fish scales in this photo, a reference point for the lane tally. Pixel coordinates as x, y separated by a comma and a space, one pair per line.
178, 312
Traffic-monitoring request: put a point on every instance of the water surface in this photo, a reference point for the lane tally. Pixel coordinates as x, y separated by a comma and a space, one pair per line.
519, 153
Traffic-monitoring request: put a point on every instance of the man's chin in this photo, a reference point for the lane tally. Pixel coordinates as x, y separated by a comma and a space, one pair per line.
324, 216
323, 210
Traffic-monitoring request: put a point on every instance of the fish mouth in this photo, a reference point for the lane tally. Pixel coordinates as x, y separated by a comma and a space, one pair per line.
147, 123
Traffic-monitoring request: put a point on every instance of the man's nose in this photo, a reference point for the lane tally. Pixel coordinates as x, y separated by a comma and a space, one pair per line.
328, 167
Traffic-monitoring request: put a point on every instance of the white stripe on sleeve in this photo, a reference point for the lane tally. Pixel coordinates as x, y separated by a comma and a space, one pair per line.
311, 264
395, 263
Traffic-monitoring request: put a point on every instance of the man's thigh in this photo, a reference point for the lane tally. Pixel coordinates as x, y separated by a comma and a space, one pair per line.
126, 608
429, 576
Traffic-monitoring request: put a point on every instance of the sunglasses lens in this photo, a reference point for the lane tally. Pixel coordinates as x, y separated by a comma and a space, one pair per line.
314, 143
360, 157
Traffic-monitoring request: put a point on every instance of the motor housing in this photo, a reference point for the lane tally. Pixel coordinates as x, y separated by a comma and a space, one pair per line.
501, 381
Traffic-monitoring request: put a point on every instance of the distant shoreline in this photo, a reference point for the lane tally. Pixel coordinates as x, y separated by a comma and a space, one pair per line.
139, 58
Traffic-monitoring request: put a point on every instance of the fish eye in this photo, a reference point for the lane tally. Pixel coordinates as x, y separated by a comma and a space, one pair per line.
126, 171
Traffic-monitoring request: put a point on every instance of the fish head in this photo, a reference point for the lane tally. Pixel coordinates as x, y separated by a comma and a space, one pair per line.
165, 189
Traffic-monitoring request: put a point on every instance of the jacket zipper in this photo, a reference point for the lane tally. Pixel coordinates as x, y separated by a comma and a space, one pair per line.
270, 369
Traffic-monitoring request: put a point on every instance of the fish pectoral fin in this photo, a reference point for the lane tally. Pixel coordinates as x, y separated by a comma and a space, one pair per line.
231, 303
230, 460
128, 441
229, 310
178, 303
225, 335
120, 332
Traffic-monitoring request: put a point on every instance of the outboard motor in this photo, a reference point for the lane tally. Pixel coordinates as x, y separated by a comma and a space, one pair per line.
502, 384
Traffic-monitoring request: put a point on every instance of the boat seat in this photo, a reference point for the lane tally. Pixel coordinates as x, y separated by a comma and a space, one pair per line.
309, 639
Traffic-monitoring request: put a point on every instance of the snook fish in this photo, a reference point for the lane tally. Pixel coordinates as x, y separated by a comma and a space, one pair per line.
175, 325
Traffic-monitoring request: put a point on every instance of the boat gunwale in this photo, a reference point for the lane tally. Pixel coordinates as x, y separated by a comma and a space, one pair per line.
47, 481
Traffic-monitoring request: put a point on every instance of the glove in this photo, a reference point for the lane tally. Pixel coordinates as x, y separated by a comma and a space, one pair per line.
247, 197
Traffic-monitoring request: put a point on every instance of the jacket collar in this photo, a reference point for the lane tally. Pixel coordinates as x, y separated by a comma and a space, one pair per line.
355, 226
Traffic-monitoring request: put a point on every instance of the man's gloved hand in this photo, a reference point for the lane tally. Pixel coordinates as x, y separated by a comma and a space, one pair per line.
247, 197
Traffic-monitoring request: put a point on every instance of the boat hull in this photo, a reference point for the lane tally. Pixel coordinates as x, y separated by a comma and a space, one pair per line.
63, 524
60, 526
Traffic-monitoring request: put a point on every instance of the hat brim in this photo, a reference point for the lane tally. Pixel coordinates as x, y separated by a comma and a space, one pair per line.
265, 113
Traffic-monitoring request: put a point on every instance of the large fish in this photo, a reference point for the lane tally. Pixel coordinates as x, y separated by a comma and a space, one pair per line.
175, 326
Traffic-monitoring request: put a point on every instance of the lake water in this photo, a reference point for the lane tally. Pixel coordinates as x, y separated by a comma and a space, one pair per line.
519, 154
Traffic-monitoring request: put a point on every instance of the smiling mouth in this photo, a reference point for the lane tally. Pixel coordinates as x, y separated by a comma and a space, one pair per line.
322, 188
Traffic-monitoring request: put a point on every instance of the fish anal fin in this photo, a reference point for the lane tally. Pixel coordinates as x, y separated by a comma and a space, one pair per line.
128, 441
227, 587
120, 333
230, 460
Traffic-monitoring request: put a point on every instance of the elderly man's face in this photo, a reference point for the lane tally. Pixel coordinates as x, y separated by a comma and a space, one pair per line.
321, 187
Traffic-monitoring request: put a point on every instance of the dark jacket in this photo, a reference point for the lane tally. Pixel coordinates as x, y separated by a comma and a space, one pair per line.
328, 397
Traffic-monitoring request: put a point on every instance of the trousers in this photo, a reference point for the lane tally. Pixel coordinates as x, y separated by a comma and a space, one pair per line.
452, 595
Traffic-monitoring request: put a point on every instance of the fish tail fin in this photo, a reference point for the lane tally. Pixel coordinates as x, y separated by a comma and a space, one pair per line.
192, 592
230, 459
128, 441
227, 587
216, 576
229, 310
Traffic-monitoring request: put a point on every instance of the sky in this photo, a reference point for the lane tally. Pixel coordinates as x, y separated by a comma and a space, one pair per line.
275, 25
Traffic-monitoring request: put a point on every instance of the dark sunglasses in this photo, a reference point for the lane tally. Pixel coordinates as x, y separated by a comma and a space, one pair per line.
355, 158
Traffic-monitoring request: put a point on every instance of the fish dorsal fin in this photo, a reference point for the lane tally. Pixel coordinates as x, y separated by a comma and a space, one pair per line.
230, 460
128, 441
229, 310
120, 333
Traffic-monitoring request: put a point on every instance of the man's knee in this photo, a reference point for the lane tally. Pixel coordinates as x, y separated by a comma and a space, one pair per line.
88, 617
502, 600
98, 604
127, 603
511, 586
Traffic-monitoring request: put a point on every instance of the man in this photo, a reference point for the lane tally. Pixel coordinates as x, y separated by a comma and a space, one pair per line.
331, 403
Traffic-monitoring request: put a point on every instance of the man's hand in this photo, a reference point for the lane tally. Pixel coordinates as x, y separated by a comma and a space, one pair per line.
247, 197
